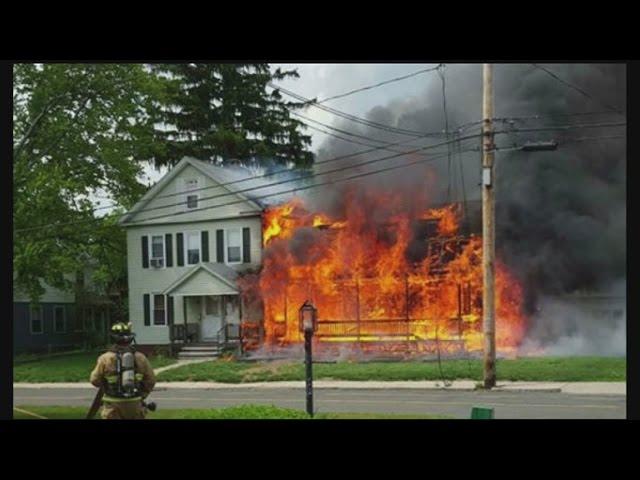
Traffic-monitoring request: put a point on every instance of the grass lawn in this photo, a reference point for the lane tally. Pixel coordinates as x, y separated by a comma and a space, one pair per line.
75, 367
561, 369
241, 412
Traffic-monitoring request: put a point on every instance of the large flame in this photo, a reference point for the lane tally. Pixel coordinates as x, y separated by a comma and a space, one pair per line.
367, 292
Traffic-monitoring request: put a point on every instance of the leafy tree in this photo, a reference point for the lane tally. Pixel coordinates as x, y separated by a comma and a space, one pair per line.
78, 129
223, 113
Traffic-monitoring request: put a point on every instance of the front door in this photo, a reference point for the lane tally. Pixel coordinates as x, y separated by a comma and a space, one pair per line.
211, 317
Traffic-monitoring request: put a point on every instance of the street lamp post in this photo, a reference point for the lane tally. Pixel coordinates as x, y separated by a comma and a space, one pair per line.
308, 315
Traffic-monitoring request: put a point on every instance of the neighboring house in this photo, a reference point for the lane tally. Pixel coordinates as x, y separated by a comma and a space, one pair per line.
187, 240
60, 319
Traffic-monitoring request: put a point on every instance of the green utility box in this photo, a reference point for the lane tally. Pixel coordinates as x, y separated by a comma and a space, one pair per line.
481, 413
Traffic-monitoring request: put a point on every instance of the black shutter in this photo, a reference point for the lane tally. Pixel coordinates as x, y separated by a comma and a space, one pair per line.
205, 245
246, 245
220, 246
168, 245
180, 253
145, 251
147, 309
170, 308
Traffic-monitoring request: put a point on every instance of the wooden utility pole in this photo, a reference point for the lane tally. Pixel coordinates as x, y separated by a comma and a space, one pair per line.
488, 229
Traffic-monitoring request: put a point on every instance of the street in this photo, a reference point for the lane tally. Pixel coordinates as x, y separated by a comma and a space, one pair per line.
457, 404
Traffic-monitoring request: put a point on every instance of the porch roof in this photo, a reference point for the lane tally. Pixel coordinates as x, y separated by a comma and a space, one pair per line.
205, 279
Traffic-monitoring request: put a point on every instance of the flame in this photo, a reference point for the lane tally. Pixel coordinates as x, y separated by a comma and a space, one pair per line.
358, 274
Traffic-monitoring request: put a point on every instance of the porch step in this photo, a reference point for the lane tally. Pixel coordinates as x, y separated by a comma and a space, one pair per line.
202, 354
200, 348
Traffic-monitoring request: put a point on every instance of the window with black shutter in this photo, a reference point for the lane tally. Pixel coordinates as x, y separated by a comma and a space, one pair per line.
170, 310
205, 245
220, 246
168, 242
180, 252
147, 309
145, 252
246, 245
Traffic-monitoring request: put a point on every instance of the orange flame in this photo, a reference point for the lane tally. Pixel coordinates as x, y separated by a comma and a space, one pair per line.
359, 276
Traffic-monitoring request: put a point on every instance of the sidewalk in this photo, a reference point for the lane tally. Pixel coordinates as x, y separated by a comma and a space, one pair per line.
581, 388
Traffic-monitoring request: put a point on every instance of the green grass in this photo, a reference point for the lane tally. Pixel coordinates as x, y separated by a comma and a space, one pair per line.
560, 369
241, 412
74, 367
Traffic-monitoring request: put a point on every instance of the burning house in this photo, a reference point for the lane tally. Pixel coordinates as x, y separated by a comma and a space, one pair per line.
386, 276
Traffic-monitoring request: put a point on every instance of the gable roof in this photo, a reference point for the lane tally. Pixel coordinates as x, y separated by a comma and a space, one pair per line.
219, 271
217, 174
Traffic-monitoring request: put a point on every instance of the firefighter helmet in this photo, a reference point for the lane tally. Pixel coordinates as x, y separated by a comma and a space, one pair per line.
121, 333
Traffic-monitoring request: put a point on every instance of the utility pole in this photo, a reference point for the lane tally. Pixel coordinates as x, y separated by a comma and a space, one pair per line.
488, 229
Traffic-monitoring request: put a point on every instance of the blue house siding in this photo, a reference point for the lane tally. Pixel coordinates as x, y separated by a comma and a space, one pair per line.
24, 340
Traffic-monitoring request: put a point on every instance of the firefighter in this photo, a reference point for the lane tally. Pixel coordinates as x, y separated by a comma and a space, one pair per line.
125, 375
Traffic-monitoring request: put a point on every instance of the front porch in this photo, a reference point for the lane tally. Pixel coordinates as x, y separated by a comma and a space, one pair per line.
211, 312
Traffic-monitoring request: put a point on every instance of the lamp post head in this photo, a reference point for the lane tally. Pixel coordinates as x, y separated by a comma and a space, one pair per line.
308, 317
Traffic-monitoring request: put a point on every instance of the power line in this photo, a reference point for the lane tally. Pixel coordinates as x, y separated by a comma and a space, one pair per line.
353, 134
396, 79
352, 155
348, 116
312, 175
564, 127
276, 172
305, 187
577, 89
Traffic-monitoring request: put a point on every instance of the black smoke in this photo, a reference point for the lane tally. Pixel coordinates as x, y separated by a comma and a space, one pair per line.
561, 215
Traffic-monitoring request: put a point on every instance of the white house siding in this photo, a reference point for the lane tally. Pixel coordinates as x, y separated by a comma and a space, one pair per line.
155, 281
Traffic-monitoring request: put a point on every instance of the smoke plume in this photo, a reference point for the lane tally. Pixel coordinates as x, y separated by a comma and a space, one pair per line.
560, 215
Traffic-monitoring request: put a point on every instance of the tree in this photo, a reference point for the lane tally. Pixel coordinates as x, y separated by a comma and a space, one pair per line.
223, 113
78, 129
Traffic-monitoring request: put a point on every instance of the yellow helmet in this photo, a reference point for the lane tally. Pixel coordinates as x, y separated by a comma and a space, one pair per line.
121, 332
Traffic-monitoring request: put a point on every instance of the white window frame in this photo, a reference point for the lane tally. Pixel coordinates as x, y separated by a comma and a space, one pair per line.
187, 200
198, 235
227, 245
31, 309
153, 310
187, 191
164, 251
64, 319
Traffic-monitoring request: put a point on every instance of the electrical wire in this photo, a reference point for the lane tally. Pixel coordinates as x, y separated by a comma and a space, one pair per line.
272, 184
392, 80
578, 89
348, 116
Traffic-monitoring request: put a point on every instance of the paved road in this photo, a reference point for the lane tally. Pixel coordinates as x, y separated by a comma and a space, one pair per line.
457, 404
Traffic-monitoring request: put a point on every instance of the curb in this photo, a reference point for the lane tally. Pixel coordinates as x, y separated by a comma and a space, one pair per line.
584, 388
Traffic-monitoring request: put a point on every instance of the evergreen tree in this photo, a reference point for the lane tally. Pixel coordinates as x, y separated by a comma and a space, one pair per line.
222, 113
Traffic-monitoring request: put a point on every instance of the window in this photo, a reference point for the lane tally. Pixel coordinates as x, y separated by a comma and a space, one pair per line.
36, 323
59, 320
158, 310
234, 245
192, 201
212, 305
193, 248
157, 251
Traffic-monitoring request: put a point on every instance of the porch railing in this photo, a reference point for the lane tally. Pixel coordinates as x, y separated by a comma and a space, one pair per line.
190, 334
229, 334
